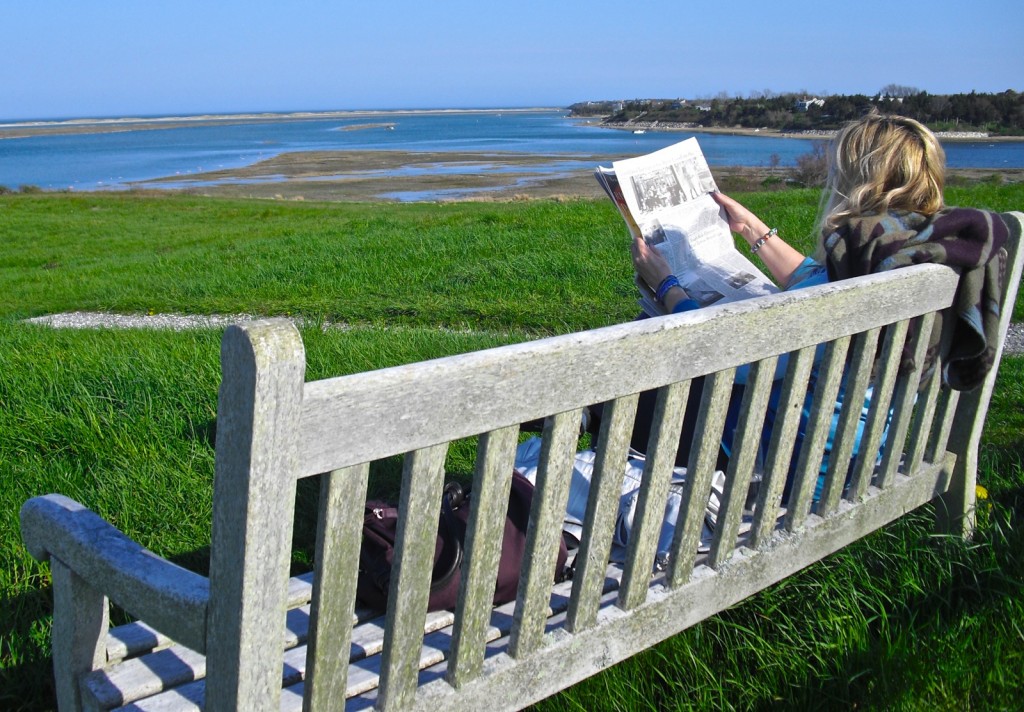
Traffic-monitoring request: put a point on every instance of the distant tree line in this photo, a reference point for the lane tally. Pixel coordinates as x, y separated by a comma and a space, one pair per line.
996, 114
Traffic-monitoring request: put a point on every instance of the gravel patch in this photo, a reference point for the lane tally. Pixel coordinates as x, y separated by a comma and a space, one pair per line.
177, 322
1013, 345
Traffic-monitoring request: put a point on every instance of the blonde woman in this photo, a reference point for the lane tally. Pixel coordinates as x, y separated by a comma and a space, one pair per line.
882, 209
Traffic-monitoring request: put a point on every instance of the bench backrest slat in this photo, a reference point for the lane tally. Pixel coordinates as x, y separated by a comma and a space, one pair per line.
547, 514
862, 363
669, 407
924, 421
744, 459
945, 413
492, 485
780, 447
808, 466
422, 484
878, 414
701, 466
905, 397
336, 565
602, 508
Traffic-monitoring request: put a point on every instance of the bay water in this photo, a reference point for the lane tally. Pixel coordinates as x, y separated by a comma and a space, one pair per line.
98, 161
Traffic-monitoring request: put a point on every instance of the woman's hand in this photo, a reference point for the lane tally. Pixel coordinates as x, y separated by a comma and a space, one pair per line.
740, 219
780, 259
653, 268
649, 263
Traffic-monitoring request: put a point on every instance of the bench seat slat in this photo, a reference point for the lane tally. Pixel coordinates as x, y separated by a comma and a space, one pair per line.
129, 679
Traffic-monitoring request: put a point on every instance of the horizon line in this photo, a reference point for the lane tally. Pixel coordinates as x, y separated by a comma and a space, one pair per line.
258, 115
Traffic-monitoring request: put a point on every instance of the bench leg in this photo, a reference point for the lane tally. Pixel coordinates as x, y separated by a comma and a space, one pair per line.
80, 623
954, 510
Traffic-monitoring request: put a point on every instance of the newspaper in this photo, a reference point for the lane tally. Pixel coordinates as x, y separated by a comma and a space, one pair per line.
665, 197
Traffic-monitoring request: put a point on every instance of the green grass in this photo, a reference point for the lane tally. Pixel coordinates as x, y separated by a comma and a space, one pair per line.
123, 421
475, 265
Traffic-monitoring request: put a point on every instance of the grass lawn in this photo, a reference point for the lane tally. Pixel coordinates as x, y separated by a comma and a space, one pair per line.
122, 421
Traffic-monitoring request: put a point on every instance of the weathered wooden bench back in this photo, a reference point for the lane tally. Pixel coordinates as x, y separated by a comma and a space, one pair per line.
274, 429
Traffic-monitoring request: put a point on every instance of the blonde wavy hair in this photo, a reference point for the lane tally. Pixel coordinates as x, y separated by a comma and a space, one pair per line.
881, 163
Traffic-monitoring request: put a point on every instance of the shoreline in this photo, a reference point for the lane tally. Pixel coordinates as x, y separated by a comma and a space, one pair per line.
810, 134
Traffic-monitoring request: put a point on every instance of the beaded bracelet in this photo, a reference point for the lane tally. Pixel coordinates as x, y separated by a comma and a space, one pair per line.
666, 284
763, 239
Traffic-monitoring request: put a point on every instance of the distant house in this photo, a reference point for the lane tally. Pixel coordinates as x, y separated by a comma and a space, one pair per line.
805, 104
703, 107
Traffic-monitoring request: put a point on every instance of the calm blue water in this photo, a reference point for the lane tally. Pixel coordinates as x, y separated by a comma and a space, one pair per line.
98, 161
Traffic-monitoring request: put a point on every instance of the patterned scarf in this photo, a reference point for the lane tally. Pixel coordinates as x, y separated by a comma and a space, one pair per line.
966, 239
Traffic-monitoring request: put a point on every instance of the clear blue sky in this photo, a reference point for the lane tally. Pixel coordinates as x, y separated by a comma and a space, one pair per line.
120, 57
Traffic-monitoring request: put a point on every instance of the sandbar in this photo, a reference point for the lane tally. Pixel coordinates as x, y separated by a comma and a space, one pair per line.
57, 127
396, 175
399, 175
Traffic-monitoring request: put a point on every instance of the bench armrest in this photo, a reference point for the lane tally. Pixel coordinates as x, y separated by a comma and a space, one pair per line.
168, 597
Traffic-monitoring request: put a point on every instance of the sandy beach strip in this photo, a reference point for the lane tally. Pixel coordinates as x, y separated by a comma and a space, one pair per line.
58, 127
824, 135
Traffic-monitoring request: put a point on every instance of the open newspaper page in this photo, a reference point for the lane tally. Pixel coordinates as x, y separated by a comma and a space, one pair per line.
665, 197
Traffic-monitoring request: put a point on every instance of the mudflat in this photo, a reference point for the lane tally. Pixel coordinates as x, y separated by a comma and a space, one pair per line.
444, 176
398, 175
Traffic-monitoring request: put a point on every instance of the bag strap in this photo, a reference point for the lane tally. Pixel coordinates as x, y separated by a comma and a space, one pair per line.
449, 562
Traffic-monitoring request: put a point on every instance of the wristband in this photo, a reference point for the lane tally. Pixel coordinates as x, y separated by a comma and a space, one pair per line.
763, 239
666, 284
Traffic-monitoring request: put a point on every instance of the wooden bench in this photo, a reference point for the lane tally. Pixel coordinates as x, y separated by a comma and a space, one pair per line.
250, 637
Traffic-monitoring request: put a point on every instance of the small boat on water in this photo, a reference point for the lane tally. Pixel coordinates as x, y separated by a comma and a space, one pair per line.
639, 131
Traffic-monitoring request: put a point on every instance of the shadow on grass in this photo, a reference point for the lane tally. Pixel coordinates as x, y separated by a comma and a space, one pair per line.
951, 643
26, 679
